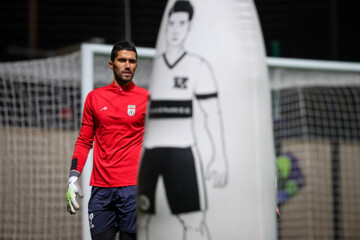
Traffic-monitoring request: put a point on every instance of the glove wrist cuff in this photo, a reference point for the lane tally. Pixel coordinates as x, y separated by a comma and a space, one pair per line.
74, 173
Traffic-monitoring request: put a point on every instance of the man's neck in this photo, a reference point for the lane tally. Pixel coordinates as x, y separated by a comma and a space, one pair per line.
121, 84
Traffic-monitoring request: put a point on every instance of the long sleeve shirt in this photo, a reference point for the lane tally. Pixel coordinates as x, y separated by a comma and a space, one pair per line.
114, 120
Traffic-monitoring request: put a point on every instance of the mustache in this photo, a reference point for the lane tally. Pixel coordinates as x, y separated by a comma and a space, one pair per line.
127, 71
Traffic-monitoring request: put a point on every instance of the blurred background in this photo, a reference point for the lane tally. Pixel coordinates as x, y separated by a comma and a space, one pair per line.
316, 107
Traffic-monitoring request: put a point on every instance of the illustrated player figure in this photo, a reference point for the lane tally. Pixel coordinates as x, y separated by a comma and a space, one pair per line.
114, 119
181, 80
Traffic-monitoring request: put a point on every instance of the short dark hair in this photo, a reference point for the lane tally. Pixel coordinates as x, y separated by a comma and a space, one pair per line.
122, 45
182, 6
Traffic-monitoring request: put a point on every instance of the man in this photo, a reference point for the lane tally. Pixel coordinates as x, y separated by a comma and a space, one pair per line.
181, 80
113, 118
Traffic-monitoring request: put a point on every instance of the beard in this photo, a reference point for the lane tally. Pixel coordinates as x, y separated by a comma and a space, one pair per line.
121, 80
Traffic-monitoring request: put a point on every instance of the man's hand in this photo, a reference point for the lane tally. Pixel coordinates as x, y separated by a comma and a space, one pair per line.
73, 190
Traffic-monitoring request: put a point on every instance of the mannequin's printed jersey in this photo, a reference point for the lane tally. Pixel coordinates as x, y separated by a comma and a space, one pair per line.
171, 99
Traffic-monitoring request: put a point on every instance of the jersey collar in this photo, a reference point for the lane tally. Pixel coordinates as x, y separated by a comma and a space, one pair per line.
123, 88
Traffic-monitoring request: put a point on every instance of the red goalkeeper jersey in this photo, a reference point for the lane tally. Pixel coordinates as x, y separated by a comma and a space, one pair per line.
114, 119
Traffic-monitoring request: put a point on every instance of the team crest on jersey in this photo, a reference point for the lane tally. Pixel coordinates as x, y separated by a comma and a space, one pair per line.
131, 110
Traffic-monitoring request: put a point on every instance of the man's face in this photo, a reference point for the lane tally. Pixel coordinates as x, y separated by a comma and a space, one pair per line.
124, 66
177, 28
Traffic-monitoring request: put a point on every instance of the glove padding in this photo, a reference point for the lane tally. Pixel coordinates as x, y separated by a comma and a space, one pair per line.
72, 191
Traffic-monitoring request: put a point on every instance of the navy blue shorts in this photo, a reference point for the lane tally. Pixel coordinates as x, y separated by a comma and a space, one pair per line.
112, 208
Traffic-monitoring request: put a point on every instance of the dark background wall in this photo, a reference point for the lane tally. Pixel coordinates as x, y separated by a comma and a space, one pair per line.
308, 29
320, 29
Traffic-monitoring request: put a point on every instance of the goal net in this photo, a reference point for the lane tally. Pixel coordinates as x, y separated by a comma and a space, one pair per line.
316, 119
316, 108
